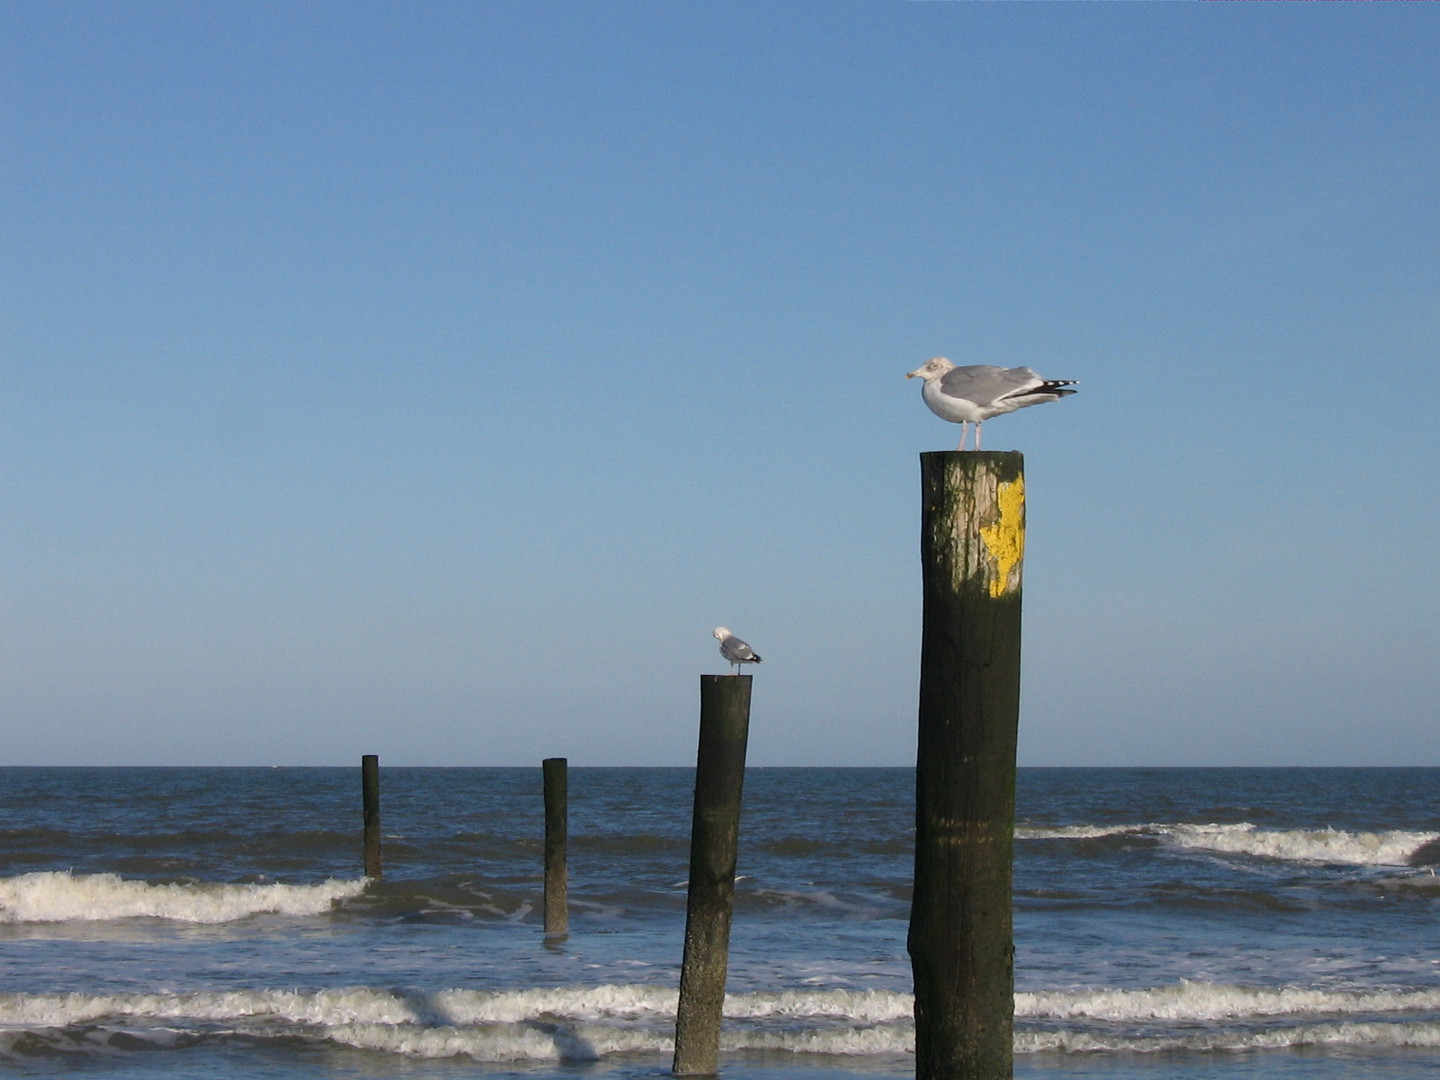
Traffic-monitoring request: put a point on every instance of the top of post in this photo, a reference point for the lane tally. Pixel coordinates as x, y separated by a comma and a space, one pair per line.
975, 510
996, 456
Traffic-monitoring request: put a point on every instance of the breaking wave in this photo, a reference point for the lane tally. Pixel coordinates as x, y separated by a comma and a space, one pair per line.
595, 1023
1332, 846
60, 896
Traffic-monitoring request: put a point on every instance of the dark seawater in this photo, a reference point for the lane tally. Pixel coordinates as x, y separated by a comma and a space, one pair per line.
1176, 923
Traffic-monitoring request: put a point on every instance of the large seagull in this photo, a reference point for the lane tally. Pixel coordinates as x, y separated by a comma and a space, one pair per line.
971, 395
735, 650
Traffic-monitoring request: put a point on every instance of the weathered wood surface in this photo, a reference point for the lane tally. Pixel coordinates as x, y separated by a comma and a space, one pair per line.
961, 938
557, 815
370, 803
714, 847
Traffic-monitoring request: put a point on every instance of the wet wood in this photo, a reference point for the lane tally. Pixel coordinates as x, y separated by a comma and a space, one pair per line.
714, 847
961, 940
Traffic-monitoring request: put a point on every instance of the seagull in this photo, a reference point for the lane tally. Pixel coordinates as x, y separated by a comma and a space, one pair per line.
971, 395
735, 650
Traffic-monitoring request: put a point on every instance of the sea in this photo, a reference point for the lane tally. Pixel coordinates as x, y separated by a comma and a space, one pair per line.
1169, 923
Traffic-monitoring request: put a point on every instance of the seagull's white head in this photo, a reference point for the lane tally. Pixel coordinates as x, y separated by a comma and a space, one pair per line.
721, 633
931, 369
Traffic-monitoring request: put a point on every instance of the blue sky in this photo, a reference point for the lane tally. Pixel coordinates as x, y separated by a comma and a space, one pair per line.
430, 379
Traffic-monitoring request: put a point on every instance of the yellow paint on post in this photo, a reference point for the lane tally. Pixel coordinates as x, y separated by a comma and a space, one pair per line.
1005, 537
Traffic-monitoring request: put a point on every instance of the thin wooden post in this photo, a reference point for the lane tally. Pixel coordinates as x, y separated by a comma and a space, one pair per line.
370, 789
557, 915
714, 844
961, 939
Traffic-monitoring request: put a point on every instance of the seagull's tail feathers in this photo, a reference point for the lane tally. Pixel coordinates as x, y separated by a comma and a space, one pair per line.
1049, 390
1056, 387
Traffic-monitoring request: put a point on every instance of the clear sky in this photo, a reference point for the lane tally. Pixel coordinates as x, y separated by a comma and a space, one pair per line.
430, 379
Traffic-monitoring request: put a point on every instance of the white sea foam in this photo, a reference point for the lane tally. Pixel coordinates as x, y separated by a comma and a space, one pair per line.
864, 1006
1076, 832
589, 1023
853, 1041
345, 1005
1411, 1035
542, 1041
60, 896
1200, 1001
504, 1042
1392, 848
526, 1025
1185, 1001
368, 1005
591, 1042
1335, 846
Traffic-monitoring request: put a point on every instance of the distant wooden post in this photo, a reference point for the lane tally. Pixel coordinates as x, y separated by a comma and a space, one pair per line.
961, 939
557, 915
370, 792
714, 843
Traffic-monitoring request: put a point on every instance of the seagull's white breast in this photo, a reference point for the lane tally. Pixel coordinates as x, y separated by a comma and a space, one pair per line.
956, 410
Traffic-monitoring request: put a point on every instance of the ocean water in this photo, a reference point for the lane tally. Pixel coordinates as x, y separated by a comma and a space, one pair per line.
1170, 923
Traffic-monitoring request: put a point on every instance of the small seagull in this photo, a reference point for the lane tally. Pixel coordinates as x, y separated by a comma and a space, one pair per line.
735, 650
971, 395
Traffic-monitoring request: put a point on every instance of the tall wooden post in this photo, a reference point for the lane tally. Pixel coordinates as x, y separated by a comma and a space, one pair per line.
961, 940
557, 914
714, 844
370, 794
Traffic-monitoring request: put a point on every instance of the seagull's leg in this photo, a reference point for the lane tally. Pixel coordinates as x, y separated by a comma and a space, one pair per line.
963, 426
977, 433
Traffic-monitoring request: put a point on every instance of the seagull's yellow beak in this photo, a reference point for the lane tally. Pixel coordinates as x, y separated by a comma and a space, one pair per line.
911, 374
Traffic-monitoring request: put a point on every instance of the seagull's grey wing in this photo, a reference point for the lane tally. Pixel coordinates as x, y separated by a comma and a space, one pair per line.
736, 651
985, 384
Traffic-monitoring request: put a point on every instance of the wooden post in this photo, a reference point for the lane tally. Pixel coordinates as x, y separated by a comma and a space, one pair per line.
370, 788
961, 940
714, 842
557, 915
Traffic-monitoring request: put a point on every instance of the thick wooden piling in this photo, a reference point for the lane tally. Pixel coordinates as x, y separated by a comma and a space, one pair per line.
370, 798
557, 907
714, 843
961, 939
